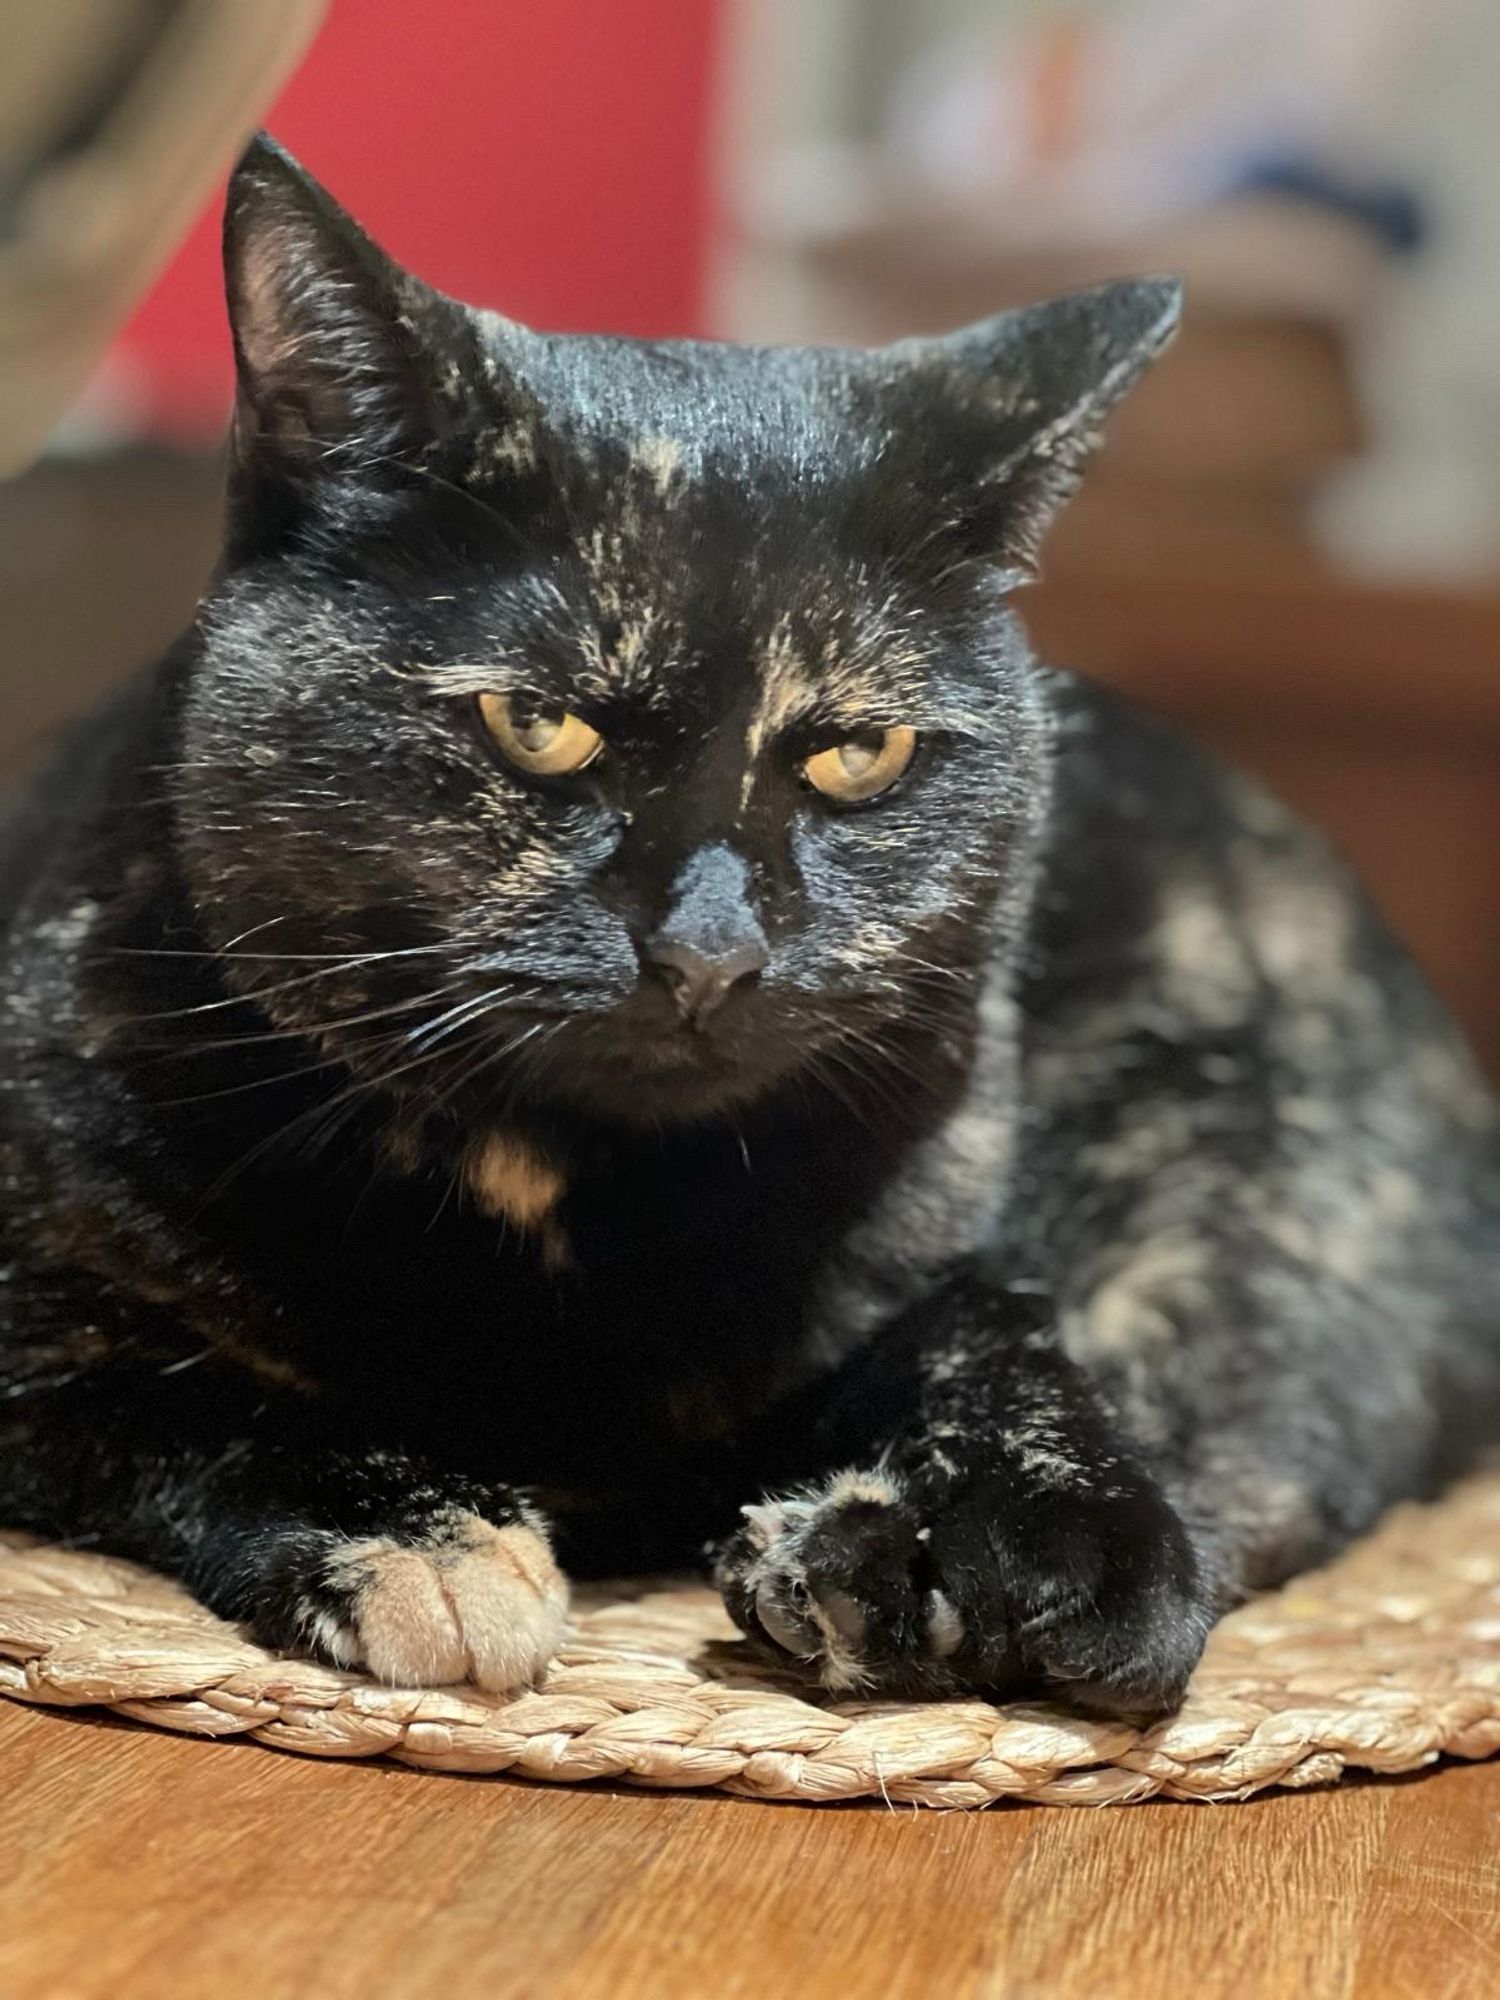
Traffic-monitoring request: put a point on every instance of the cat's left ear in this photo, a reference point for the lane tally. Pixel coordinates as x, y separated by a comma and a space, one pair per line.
339, 351
1027, 394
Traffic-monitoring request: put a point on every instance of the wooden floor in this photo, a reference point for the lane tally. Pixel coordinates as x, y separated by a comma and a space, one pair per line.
141, 1864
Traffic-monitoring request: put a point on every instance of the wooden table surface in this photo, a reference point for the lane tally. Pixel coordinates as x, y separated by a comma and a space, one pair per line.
141, 1864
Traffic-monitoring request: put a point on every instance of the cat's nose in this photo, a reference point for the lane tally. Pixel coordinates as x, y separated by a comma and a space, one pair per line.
700, 981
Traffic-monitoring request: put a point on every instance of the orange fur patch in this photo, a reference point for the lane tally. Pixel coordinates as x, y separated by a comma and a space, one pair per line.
509, 1178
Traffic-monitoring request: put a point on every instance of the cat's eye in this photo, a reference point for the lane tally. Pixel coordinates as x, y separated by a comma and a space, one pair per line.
862, 767
537, 735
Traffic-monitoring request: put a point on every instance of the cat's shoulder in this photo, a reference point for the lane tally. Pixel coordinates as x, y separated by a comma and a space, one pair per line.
65, 828
1121, 765
1160, 855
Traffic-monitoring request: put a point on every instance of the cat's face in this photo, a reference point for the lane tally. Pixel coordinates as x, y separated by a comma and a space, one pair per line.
631, 728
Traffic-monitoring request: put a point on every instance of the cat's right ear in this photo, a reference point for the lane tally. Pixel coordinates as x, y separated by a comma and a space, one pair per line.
340, 354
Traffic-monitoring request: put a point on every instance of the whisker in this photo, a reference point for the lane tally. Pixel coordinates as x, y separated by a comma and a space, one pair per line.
260, 993
316, 1127
293, 957
307, 1031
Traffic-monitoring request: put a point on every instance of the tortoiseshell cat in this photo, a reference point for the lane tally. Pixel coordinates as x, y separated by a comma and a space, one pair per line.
600, 984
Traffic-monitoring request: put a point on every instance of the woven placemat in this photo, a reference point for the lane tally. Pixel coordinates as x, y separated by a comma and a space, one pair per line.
1385, 1661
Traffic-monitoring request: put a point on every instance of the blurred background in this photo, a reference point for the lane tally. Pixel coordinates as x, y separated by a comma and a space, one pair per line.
1293, 541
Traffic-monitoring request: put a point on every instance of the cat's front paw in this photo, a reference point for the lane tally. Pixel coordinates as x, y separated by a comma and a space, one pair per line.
880, 1583
457, 1599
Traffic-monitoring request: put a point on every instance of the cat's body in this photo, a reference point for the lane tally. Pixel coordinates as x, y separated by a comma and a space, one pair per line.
1040, 1172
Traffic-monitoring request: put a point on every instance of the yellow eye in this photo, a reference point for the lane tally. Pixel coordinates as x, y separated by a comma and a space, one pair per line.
864, 766
537, 736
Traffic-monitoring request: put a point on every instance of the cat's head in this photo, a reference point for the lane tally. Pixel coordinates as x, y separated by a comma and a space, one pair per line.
635, 726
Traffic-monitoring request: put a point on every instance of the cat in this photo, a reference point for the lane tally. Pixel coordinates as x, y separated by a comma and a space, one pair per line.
600, 1006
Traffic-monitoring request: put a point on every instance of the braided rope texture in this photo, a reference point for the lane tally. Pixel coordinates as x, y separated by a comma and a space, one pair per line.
1384, 1661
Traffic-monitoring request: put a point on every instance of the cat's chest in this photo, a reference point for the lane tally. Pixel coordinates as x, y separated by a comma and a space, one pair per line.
661, 1305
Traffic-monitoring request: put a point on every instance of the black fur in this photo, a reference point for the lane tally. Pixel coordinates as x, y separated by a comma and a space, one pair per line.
1076, 1214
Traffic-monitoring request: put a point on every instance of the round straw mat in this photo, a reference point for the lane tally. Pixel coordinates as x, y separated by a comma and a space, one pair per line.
1385, 1661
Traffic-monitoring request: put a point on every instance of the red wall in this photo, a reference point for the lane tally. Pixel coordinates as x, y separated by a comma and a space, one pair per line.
547, 157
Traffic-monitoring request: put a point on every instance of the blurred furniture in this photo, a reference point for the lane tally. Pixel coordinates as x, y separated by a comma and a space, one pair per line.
116, 118
551, 161
1216, 456
101, 563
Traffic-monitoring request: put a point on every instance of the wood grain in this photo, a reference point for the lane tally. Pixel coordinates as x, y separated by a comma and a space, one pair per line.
143, 1865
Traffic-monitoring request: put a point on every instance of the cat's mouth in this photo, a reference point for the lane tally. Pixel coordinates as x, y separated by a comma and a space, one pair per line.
640, 1064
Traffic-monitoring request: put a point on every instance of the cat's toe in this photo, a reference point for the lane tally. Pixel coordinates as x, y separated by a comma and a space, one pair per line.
469, 1601
839, 1580
1109, 1611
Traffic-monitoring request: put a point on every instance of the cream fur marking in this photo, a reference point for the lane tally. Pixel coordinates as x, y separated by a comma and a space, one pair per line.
660, 458
945, 1628
1206, 972
1137, 1307
488, 1606
855, 1488
786, 691
509, 1178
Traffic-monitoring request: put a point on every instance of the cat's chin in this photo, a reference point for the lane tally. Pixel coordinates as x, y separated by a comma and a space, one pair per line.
656, 1098
680, 1079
